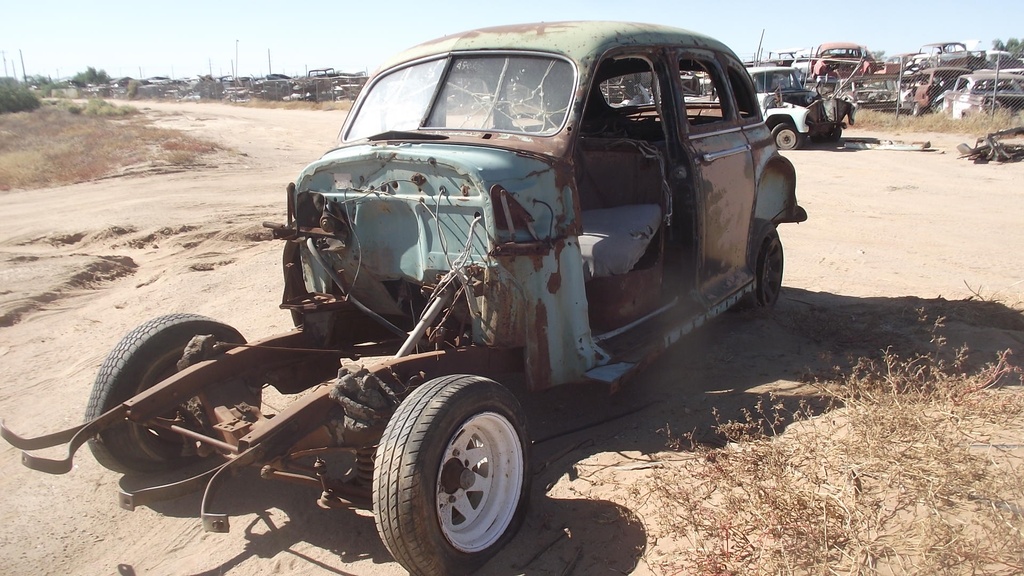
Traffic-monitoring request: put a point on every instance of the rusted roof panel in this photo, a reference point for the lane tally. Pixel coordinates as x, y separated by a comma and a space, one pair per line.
576, 40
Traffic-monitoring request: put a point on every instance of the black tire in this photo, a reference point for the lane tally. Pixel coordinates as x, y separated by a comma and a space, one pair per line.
419, 459
835, 135
768, 269
144, 357
786, 137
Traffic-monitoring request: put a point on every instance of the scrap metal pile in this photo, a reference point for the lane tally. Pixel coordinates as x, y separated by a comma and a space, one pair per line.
991, 148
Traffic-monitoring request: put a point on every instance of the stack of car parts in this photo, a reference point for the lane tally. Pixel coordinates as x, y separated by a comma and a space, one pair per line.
992, 149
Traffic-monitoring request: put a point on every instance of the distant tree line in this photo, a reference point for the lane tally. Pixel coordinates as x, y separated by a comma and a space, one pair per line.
90, 76
1013, 46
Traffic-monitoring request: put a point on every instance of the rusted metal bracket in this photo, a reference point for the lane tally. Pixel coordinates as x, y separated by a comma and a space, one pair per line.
144, 497
218, 522
74, 437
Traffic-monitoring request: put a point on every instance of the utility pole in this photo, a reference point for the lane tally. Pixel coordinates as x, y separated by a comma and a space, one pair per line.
24, 76
209, 62
237, 69
4, 54
269, 69
760, 43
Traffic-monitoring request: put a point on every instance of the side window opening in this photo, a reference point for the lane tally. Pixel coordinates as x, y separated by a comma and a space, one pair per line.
704, 94
746, 101
624, 102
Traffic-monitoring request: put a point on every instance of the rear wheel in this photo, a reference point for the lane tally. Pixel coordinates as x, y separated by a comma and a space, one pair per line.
451, 477
835, 135
143, 358
768, 270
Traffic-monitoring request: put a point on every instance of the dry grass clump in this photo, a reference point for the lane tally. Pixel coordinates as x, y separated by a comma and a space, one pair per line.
94, 107
917, 471
54, 145
939, 122
296, 104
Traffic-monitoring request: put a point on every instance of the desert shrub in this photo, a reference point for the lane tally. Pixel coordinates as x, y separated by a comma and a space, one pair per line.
133, 89
94, 107
100, 107
68, 106
17, 98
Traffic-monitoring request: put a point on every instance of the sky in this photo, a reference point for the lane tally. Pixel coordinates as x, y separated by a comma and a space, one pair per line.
184, 38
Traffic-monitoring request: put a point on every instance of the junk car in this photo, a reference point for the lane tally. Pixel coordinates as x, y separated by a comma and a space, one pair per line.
948, 54
873, 92
925, 89
796, 114
841, 60
983, 93
557, 203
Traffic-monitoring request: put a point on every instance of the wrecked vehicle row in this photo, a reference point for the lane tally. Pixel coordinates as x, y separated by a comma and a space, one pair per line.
984, 93
913, 83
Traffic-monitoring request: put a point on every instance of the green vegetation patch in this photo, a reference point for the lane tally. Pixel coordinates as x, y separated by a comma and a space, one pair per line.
16, 98
95, 107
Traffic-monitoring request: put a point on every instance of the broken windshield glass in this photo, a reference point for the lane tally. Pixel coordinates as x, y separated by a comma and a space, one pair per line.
503, 93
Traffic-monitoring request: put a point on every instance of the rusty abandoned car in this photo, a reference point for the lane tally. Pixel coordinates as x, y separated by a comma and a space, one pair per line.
557, 203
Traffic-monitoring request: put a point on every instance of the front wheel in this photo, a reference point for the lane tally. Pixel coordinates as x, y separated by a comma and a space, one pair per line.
451, 476
786, 137
143, 358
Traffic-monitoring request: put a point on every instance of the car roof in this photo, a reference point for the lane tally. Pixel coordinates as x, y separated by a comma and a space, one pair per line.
991, 74
942, 70
831, 45
580, 41
935, 44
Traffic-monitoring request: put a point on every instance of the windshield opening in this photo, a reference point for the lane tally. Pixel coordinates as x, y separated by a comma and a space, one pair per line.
493, 92
776, 80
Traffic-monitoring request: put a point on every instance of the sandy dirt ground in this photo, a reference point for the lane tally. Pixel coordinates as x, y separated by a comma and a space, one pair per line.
889, 232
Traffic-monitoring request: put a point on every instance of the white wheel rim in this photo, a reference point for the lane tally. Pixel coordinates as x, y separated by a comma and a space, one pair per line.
479, 481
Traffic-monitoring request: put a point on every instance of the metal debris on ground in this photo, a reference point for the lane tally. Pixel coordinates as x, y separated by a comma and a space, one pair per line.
992, 149
876, 144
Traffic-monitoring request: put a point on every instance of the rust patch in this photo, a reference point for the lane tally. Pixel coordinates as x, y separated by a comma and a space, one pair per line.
615, 301
538, 365
554, 282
